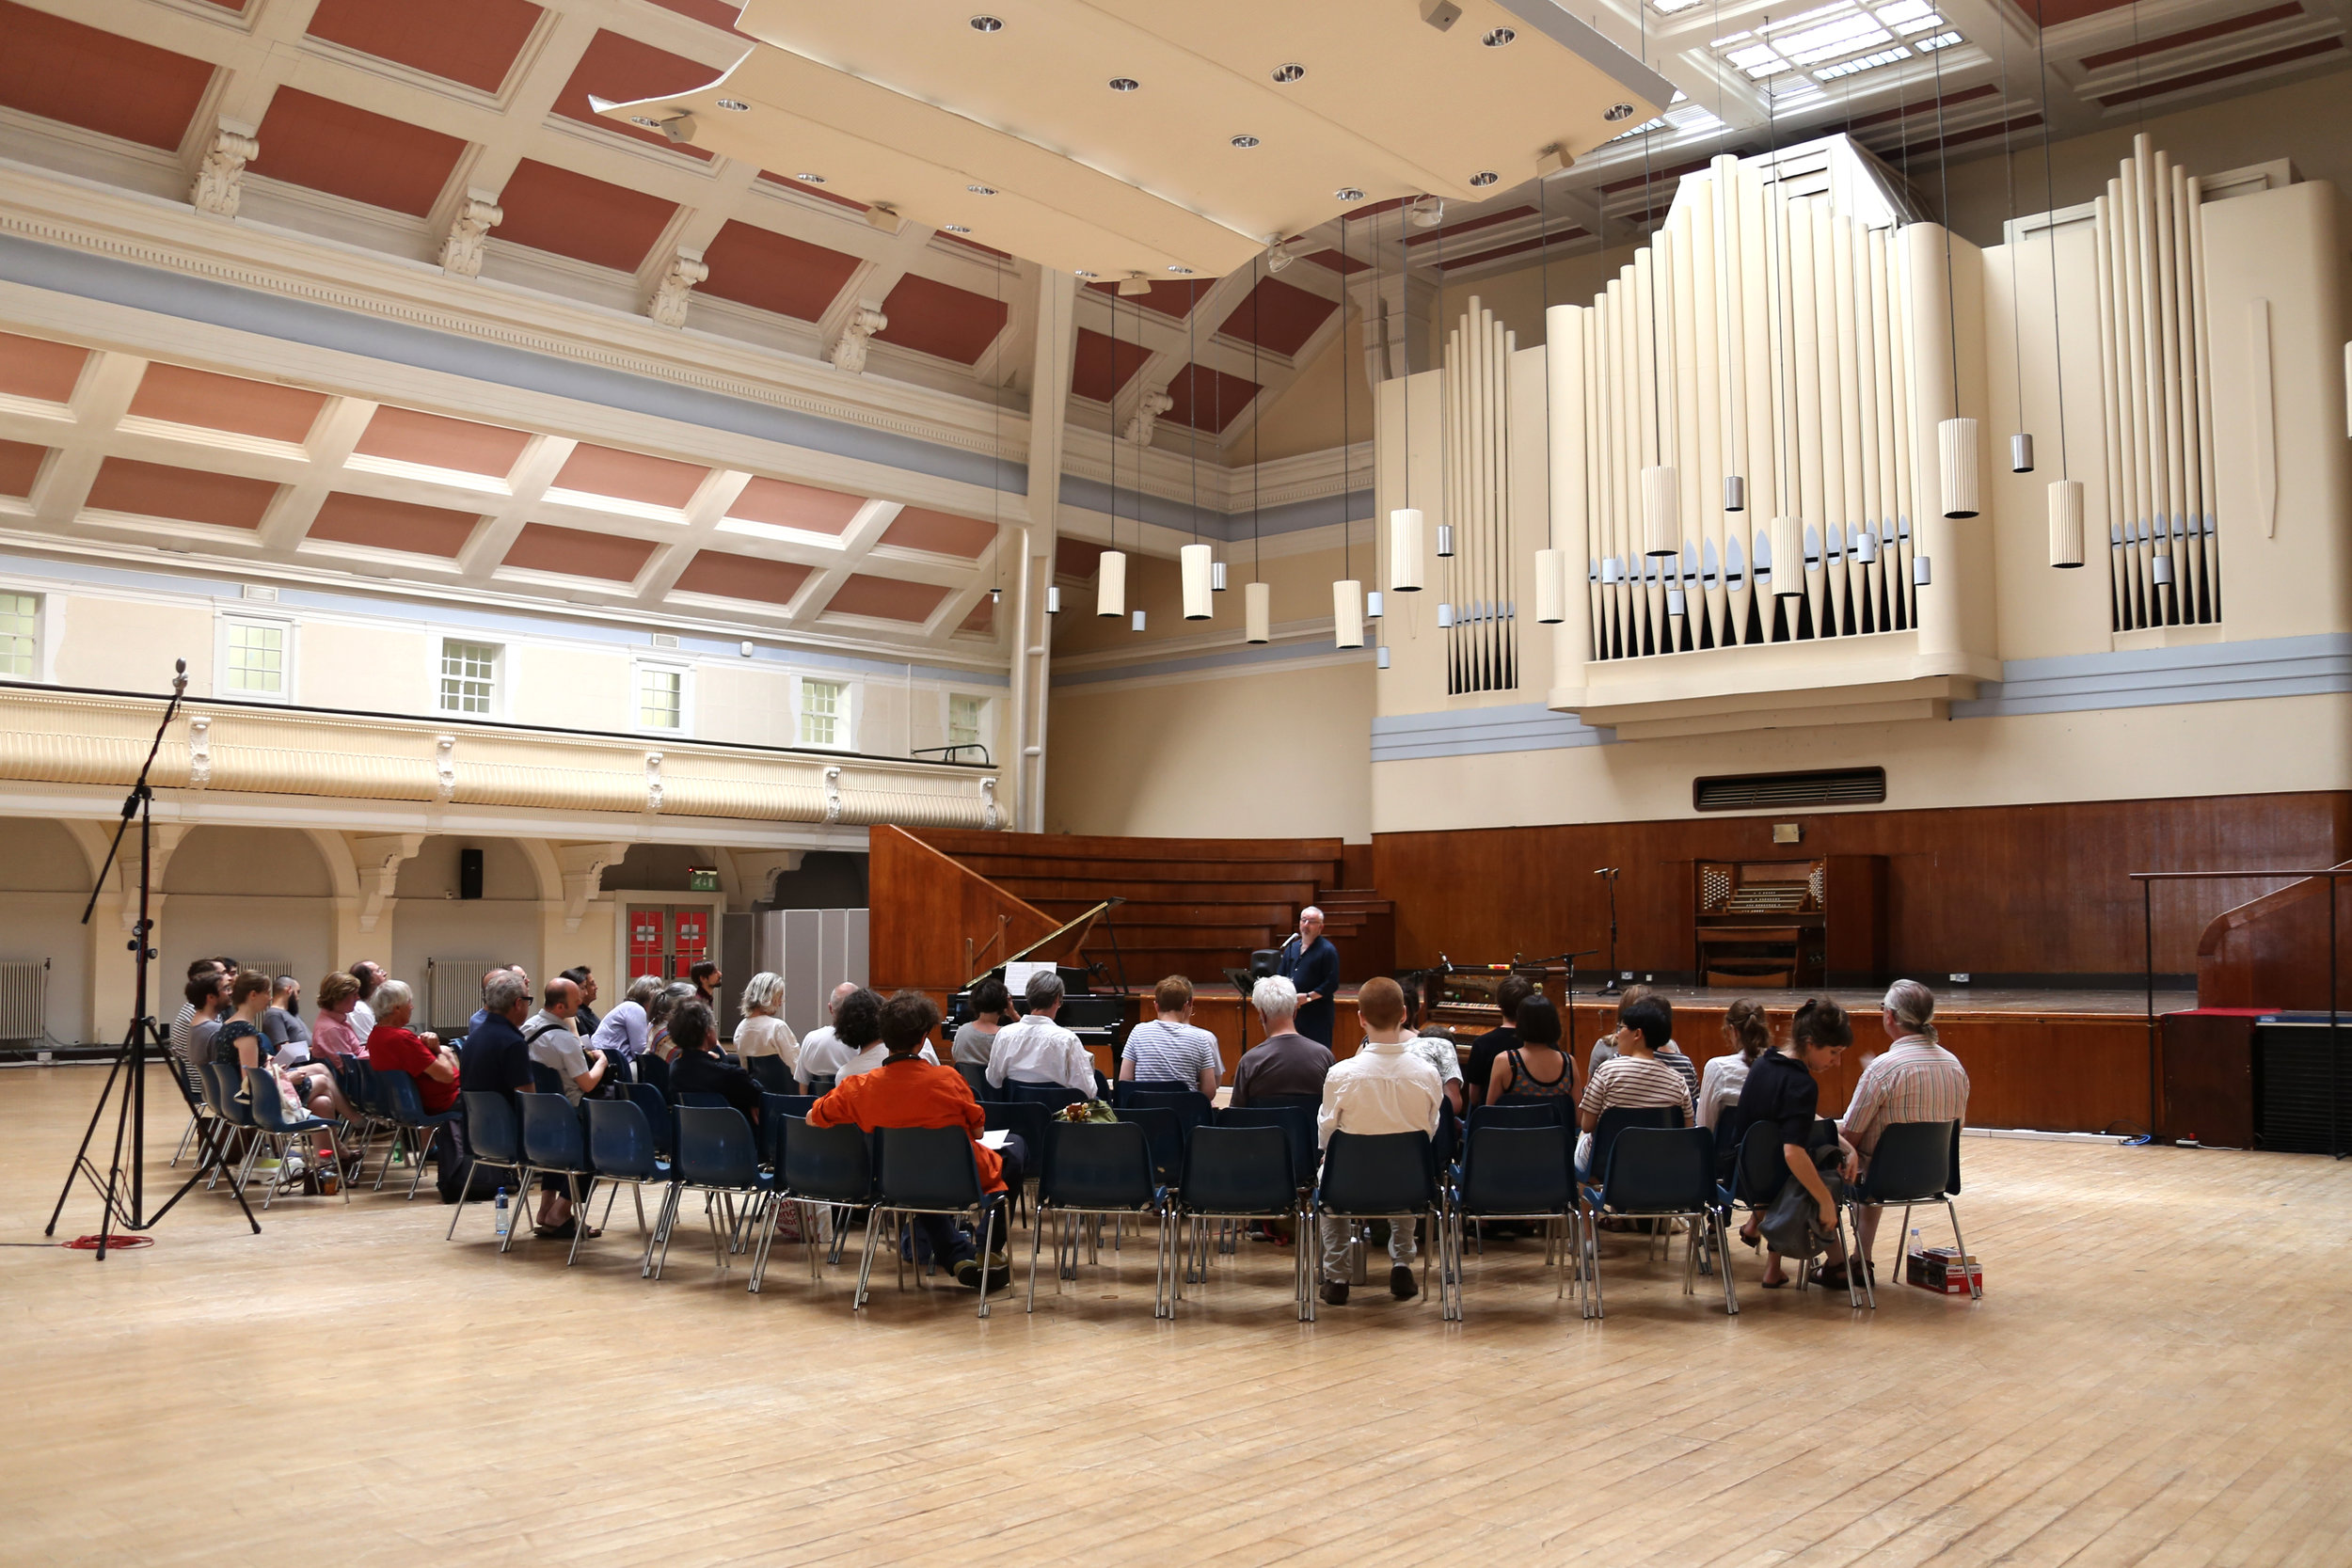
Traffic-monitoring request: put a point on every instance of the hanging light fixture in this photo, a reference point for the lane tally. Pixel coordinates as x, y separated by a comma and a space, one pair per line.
1661, 510
1347, 595
1866, 549
1193, 560
1257, 610
1552, 570
1200, 575
1787, 556
1373, 605
1787, 539
1734, 484
2066, 492
1445, 540
1217, 577
1053, 599
1445, 616
2066, 522
1955, 463
1552, 587
1380, 658
1405, 522
1955, 437
2021, 444
1922, 576
1110, 585
1347, 614
1661, 487
1139, 621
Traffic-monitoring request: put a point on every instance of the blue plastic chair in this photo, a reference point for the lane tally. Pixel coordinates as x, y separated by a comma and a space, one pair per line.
1028, 1120
1369, 1175
718, 1156
1245, 1171
545, 1080
1052, 1096
493, 1139
654, 1071
1297, 1123
1123, 1089
818, 1087
828, 1169
191, 1086
1166, 1132
271, 1121
771, 1074
1093, 1169
1914, 1162
1662, 1172
556, 1144
224, 1083
409, 1123
1508, 1112
927, 1170
621, 1146
1514, 1173
659, 1117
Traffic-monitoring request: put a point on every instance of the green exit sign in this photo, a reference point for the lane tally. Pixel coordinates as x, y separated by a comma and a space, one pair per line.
701, 879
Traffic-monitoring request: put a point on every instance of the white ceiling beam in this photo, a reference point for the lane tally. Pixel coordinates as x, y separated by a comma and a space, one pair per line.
527, 483
337, 429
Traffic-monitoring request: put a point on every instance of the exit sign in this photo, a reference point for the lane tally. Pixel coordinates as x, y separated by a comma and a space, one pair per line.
701, 879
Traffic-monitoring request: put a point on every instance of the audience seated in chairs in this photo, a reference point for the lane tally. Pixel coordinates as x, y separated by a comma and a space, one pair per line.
183, 1021
763, 1031
1915, 1080
1480, 1069
623, 1031
1038, 1051
207, 1003
1535, 1069
1631, 1077
240, 1043
658, 1014
393, 1047
858, 1028
1748, 1036
283, 1022
1385, 1088
822, 1052
907, 1091
1170, 1049
1668, 1052
991, 1006
494, 1055
584, 1023
1781, 1100
698, 1068
333, 1035
551, 1035
1285, 1063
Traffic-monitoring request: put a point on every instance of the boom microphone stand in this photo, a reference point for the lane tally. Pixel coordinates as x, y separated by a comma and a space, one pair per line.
125, 1186
1611, 986
1570, 959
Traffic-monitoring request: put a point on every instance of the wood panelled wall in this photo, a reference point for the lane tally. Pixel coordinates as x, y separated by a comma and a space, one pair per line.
1993, 891
933, 923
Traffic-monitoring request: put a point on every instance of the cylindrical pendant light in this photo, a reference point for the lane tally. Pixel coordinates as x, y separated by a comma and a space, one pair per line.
1110, 588
1676, 603
1373, 606
1608, 571
1662, 511
2066, 522
2161, 569
1193, 560
1053, 599
1138, 619
1347, 614
1257, 607
1735, 493
1445, 540
1956, 451
2021, 453
1405, 550
1551, 586
1445, 616
1787, 556
1381, 656
1217, 577
1922, 573
1866, 549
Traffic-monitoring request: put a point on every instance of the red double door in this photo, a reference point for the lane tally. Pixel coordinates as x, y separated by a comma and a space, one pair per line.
667, 939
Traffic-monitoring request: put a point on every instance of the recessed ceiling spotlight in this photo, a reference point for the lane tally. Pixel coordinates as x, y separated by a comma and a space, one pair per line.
1244, 142
1485, 177
988, 25
646, 121
980, 190
1125, 84
956, 228
1347, 193
1082, 273
810, 178
1497, 36
1181, 272
1286, 74
1617, 112
735, 105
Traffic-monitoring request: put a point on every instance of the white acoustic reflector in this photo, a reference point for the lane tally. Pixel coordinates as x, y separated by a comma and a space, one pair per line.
1787, 556
2066, 522
1193, 560
1735, 493
1445, 540
1551, 586
1139, 621
1662, 511
1405, 546
1381, 657
1052, 600
1445, 616
1217, 577
1257, 612
2021, 453
1110, 588
1956, 466
2160, 570
1347, 614
1921, 574
1373, 605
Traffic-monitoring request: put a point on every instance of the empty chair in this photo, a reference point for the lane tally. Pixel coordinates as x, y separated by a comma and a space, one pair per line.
1098, 1168
1512, 1173
1245, 1172
771, 1074
1616, 1121
1190, 1107
1030, 1121
717, 1156
620, 1146
1662, 1172
976, 1078
927, 1170
653, 1069
409, 1123
1372, 1176
1915, 1162
555, 1144
1167, 1139
1123, 1089
1052, 1096
828, 1169
493, 1138
271, 1121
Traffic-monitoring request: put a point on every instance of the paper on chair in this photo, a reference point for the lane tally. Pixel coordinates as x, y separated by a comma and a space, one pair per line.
994, 1139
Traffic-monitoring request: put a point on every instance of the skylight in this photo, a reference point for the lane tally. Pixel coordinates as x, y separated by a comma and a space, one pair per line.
1796, 54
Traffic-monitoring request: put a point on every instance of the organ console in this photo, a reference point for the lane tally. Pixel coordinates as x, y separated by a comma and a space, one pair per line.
1765, 924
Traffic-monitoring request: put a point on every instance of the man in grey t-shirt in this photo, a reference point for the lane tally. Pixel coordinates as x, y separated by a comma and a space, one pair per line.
283, 1026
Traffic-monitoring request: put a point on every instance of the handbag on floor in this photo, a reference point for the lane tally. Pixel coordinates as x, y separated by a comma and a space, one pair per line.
1791, 1225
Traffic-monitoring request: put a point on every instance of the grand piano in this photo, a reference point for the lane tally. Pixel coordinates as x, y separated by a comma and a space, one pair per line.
1779, 925
1099, 1018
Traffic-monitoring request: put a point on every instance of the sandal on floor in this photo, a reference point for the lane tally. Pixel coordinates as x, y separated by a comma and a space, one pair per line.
1781, 1284
1832, 1277
1752, 1243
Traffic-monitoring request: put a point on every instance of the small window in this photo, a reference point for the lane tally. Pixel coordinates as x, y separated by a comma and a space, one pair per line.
824, 713
468, 676
965, 716
660, 697
254, 662
20, 636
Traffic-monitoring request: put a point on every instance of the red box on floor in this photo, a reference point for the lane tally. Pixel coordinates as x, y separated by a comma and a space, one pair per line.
1944, 1271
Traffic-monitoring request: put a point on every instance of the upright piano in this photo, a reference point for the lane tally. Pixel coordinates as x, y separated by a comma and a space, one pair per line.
1777, 925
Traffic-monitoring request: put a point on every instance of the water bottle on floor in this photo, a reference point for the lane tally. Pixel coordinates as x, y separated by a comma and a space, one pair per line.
502, 1213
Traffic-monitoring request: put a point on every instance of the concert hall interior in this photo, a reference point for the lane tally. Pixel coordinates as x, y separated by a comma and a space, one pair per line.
1647, 654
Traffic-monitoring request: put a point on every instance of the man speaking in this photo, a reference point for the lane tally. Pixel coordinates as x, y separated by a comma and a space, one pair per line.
1311, 964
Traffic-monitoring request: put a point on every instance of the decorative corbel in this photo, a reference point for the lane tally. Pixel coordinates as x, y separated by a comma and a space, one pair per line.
848, 349
378, 859
668, 303
199, 750
444, 768
1147, 415
220, 178
833, 794
468, 234
653, 781
583, 866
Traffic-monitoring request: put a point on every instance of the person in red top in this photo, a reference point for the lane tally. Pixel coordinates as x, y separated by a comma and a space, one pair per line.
395, 1048
907, 1091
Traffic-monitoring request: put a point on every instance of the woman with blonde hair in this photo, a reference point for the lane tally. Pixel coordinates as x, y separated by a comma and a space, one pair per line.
762, 1032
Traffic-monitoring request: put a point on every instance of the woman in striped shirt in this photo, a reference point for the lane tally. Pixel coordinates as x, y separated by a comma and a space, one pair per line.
1634, 1078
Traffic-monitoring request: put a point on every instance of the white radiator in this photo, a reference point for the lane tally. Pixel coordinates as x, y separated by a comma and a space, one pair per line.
453, 991
23, 999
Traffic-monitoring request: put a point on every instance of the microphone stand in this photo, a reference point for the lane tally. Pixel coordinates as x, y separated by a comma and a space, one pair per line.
1569, 958
125, 1185
1612, 987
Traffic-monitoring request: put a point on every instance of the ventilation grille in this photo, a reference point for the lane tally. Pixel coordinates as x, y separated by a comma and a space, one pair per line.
1840, 786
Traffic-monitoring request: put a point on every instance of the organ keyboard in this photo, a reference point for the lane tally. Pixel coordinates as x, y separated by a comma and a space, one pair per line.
1766, 925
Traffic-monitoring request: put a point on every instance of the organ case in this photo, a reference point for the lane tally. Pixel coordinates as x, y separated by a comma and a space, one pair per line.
1771, 924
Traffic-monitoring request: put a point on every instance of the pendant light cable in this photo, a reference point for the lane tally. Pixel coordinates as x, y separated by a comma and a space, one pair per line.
2009, 178
2049, 228
1944, 173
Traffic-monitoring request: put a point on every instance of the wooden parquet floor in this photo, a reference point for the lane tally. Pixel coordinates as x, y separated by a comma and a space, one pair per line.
2158, 1375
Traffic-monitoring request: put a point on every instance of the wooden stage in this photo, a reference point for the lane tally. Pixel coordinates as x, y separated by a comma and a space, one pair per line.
2155, 1376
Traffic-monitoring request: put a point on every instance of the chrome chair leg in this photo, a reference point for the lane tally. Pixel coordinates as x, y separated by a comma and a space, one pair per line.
866, 1259
1975, 1292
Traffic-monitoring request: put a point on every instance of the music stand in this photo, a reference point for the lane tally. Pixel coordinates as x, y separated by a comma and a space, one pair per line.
1569, 958
1244, 982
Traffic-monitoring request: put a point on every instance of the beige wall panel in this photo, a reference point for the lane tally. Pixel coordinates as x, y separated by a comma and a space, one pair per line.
377, 668
128, 645
574, 688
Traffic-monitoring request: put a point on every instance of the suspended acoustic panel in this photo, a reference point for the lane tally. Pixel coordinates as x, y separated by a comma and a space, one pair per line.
1480, 578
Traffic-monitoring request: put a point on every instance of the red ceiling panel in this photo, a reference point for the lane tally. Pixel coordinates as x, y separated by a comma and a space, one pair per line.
802, 506
1099, 367
229, 5
553, 209
622, 70
775, 272
2055, 13
349, 152
938, 317
2194, 35
886, 598
575, 552
1218, 397
20, 464
983, 617
98, 80
630, 476
1075, 558
406, 436
741, 577
1333, 260
1174, 299
182, 396
1279, 317
469, 42
941, 532
390, 525
1468, 226
36, 368
159, 490
2222, 73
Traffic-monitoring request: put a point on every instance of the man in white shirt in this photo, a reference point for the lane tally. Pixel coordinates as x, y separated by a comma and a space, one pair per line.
370, 974
1385, 1088
1170, 1049
822, 1054
552, 1034
1038, 1051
